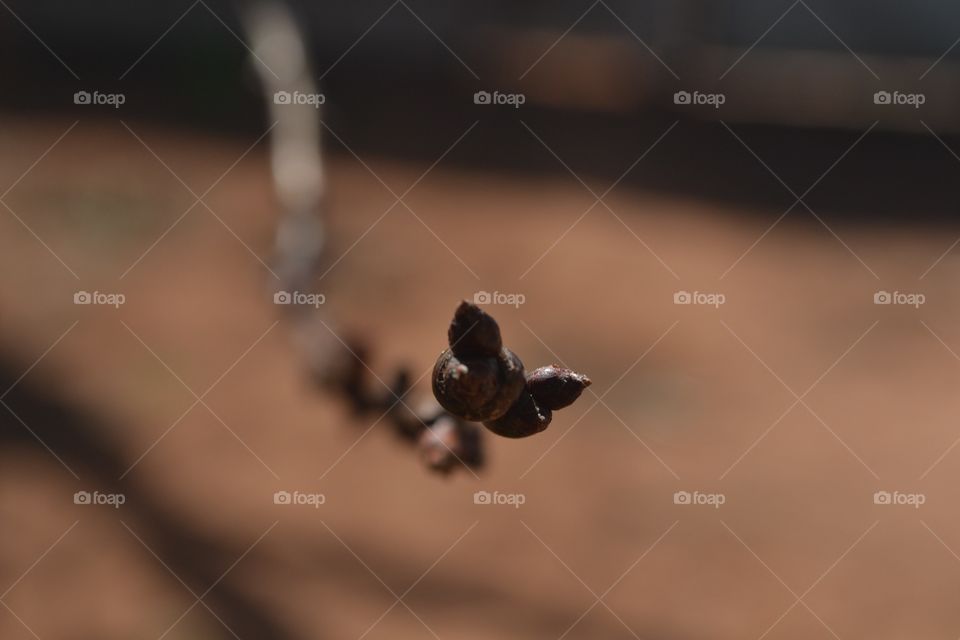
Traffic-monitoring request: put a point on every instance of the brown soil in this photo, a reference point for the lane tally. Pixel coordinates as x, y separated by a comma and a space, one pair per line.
798, 520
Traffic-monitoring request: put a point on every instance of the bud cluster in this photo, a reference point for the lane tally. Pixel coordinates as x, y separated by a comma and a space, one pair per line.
478, 379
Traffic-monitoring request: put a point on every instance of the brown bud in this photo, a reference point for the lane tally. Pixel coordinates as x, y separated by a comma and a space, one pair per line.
476, 379
449, 442
478, 388
524, 418
473, 332
556, 387
342, 370
408, 424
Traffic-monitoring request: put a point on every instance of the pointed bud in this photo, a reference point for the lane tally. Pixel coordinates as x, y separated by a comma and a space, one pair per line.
555, 387
473, 332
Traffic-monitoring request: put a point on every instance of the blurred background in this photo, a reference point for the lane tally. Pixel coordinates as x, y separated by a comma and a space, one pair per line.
738, 218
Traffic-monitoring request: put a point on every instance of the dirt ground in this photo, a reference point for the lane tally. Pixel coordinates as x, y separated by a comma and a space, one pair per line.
793, 403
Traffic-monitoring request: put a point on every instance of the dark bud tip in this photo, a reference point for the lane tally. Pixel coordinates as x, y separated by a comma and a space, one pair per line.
473, 332
525, 418
556, 387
